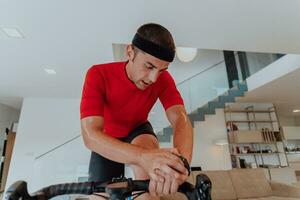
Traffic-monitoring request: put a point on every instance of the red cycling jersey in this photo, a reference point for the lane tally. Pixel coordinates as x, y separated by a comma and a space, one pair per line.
108, 92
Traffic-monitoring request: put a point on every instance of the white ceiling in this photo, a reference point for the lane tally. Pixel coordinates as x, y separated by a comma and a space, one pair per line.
283, 92
71, 35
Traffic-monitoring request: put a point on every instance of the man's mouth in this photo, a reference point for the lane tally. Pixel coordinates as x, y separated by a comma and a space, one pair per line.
145, 82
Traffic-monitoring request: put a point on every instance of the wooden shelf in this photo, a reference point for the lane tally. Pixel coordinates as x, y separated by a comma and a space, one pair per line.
264, 134
253, 143
248, 111
251, 154
296, 152
251, 121
294, 161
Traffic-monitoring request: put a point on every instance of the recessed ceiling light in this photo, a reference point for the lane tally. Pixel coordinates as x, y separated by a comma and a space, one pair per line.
12, 32
50, 71
295, 111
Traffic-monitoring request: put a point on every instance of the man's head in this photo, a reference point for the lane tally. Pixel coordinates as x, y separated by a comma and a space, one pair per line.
151, 52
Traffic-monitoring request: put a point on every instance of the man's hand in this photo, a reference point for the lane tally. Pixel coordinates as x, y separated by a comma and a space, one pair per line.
165, 169
169, 186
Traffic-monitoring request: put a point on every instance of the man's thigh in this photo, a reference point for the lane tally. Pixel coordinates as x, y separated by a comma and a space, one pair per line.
103, 169
146, 141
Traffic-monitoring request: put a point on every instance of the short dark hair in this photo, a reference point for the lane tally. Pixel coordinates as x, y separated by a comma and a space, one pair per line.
157, 34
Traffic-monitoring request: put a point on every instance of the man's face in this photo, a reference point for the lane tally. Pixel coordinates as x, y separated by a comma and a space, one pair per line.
146, 69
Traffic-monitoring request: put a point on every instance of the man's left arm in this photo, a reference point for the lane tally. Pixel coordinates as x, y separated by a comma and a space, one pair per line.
183, 130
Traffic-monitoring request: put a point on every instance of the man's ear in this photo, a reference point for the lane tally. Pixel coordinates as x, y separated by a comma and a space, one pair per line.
129, 53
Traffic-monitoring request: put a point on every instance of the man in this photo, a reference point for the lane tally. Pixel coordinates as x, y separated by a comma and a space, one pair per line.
116, 101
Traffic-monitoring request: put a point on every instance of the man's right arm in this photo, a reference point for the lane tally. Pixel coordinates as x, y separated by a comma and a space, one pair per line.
98, 141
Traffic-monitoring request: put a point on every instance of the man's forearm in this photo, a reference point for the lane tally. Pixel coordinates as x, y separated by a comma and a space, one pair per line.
183, 137
112, 148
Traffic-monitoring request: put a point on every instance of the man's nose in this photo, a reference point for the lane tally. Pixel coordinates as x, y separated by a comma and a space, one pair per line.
153, 76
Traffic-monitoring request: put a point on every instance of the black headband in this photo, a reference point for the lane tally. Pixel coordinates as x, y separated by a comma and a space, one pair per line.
153, 49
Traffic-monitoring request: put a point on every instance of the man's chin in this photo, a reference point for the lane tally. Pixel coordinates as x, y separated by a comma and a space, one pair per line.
141, 87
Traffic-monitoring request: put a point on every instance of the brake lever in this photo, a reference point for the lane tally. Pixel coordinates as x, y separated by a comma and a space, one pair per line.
203, 185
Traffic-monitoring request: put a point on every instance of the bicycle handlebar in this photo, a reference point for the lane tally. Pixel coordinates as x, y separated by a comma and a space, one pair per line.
117, 189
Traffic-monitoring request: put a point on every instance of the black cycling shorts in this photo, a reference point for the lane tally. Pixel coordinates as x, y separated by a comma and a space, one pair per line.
103, 169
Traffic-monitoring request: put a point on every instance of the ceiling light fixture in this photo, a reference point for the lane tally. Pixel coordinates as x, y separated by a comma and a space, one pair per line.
12, 32
295, 111
50, 71
186, 54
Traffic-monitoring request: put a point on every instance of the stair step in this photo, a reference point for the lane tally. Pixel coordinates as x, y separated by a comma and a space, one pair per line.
168, 131
216, 104
236, 93
242, 87
226, 99
206, 110
163, 138
196, 117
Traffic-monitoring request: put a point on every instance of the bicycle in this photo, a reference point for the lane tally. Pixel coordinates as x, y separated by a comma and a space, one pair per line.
118, 189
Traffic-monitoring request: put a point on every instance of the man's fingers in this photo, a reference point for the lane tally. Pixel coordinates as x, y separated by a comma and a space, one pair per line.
174, 150
159, 188
156, 177
175, 163
174, 187
171, 167
167, 185
160, 175
152, 188
171, 172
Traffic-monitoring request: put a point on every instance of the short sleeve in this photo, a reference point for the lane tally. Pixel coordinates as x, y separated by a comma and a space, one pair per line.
169, 95
93, 94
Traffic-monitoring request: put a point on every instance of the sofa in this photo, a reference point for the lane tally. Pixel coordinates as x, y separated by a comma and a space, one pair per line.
250, 184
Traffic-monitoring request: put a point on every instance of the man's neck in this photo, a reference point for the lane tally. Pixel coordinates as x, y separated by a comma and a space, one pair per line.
128, 71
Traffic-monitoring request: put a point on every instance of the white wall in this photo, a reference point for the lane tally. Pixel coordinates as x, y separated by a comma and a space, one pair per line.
44, 124
8, 115
206, 153
286, 121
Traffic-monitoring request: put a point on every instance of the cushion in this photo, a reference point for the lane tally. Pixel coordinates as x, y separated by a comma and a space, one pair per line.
270, 198
222, 188
284, 175
250, 183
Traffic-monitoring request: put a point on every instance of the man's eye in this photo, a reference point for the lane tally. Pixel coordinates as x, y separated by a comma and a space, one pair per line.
149, 67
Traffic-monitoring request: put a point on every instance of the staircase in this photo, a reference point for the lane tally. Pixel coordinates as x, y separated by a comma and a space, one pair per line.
208, 109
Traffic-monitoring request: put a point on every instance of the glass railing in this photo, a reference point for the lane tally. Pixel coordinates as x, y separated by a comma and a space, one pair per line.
248, 63
204, 87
